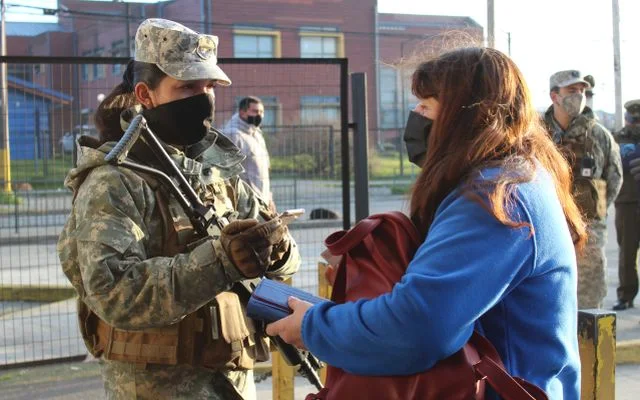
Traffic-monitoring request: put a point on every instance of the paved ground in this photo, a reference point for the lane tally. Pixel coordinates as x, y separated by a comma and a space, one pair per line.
78, 381
32, 332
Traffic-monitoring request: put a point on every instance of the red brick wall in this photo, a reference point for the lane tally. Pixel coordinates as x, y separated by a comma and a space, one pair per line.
355, 19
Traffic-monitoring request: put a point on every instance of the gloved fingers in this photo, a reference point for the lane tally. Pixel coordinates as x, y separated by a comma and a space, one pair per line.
273, 231
635, 162
239, 225
263, 254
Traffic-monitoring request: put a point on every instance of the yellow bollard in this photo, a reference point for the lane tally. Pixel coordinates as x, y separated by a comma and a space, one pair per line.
282, 375
597, 343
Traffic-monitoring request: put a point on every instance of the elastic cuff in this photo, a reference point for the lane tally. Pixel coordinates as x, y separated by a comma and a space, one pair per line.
230, 271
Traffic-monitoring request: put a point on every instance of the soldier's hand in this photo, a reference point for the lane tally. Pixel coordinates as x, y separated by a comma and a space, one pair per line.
249, 244
280, 249
634, 164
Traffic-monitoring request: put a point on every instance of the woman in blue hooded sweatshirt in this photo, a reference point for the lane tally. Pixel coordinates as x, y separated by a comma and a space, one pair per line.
494, 205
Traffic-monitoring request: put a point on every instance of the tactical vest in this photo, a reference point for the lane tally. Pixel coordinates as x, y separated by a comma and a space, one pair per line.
217, 336
589, 192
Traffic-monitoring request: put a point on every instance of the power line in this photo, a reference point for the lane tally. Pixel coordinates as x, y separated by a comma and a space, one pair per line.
93, 15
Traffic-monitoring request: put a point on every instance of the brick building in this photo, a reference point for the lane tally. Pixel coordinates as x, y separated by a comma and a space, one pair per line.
374, 43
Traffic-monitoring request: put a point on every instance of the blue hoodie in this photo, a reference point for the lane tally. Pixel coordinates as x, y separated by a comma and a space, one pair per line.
515, 286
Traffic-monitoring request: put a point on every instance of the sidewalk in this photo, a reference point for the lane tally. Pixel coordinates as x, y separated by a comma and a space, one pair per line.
79, 381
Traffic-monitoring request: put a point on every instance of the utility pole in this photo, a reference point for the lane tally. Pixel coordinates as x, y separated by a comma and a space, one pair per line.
616, 64
491, 28
5, 153
509, 43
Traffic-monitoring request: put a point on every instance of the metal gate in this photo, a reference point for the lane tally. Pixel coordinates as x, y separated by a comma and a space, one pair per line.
52, 101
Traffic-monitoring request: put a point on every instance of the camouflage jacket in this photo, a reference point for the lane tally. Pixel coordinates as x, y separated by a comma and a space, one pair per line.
111, 246
628, 138
606, 153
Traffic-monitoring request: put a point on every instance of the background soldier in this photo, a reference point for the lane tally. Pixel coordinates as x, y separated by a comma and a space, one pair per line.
154, 297
597, 172
627, 212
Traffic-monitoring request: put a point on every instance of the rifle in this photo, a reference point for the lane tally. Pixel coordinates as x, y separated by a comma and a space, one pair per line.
205, 221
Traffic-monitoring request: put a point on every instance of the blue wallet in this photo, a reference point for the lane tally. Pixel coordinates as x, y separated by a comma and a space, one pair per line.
268, 302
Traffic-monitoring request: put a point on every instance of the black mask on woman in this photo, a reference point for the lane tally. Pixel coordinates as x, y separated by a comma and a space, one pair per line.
181, 122
416, 134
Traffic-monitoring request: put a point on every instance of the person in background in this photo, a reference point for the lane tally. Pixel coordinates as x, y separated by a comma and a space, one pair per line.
597, 174
589, 92
627, 212
244, 130
493, 203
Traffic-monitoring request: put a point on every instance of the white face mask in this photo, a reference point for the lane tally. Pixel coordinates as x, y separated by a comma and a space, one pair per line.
574, 104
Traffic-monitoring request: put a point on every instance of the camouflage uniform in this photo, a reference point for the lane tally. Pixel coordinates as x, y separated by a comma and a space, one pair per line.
592, 286
112, 249
627, 212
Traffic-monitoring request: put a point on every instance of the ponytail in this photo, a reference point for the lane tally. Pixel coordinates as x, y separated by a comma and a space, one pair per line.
122, 97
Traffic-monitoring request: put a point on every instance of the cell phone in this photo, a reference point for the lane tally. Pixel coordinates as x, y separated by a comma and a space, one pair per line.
291, 215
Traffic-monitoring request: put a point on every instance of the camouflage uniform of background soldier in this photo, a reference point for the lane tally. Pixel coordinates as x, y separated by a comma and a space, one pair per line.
597, 173
154, 301
627, 212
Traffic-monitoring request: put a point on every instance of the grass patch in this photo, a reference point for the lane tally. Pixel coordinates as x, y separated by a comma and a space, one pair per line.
401, 188
9, 198
388, 165
45, 174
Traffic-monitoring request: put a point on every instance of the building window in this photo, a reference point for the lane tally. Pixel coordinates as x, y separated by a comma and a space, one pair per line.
320, 43
92, 72
87, 69
99, 70
257, 43
390, 103
118, 49
322, 110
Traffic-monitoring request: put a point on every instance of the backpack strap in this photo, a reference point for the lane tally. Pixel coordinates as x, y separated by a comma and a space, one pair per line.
490, 367
341, 242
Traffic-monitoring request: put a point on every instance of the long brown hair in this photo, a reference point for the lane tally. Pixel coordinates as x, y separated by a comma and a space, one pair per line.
486, 119
122, 97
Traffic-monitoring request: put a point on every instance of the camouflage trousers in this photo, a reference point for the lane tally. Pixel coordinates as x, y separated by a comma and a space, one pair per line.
592, 266
125, 381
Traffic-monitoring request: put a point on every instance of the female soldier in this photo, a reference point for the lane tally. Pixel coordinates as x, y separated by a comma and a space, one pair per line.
154, 298
494, 203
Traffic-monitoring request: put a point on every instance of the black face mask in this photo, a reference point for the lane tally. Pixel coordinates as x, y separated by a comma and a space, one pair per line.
415, 137
181, 122
255, 120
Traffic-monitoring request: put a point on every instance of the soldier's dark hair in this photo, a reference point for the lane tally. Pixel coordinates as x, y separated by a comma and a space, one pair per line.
247, 101
555, 89
122, 97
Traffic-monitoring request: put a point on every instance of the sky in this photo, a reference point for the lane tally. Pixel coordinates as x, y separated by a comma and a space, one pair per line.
553, 35
546, 36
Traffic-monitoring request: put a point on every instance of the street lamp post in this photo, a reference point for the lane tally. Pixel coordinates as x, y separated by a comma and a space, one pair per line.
5, 153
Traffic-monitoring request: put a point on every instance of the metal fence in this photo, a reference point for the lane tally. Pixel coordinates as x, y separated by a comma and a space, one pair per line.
52, 101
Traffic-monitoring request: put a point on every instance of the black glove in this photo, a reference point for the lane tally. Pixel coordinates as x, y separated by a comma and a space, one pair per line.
249, 244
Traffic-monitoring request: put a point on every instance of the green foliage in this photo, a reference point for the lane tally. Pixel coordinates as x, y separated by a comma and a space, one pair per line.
387, 165
9, 198
43, 174
303, 164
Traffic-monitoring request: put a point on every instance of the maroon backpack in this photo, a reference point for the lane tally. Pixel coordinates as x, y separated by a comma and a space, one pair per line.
375, 254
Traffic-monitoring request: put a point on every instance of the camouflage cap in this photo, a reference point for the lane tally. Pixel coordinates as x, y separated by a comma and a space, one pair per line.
565, 78
633, 107
178, 51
